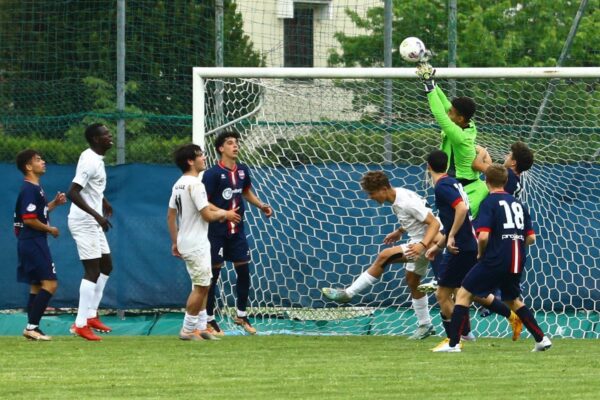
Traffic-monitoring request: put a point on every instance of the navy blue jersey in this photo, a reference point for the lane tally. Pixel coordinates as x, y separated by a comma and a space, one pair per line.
448, 193
31, 203
508, 223
513, 185
224, 188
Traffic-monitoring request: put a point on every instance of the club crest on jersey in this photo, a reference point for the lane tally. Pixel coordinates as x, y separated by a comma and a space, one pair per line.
241, 174
31, 207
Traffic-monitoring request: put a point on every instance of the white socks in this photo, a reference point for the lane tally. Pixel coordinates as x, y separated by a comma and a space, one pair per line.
421, 307
86, 298
202, 319
363, 282
100, 284
190, 322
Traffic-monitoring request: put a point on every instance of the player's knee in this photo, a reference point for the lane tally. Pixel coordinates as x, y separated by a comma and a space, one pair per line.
50, 286
106, 266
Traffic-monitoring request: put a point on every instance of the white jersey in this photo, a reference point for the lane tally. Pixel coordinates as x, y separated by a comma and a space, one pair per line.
91, 176
188, 198
411, 210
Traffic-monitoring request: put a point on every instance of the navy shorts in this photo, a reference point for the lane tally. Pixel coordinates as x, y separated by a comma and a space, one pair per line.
454, 268
485, 279
34, 261
232, 248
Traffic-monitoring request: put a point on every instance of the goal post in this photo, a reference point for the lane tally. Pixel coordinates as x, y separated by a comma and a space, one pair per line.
308, 135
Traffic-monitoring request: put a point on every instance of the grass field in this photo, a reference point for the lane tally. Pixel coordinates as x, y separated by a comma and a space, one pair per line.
294, 367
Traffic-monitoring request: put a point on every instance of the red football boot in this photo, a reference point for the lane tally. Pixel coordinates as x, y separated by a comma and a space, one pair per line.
96, 324
85, 332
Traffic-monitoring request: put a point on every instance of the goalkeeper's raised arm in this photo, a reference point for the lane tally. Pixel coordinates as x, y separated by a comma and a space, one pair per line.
458, 136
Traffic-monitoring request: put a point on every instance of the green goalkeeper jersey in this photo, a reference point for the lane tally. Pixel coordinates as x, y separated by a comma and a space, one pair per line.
457, 143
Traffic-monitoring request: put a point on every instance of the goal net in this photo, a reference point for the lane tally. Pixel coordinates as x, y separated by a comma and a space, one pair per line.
308, 136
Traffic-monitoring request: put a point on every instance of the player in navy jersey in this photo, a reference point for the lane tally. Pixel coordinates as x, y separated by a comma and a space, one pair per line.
35, 265
519, 160
459, 236
227, 185
460, 243
504, 232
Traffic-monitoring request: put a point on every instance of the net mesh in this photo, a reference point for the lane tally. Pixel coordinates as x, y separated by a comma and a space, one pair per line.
308, 143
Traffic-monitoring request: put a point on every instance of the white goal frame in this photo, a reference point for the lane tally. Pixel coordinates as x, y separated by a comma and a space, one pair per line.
201, 73
208, 107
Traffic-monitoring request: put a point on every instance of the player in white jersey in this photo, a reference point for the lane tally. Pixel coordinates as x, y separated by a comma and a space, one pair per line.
88, 220
415, 219
187, 218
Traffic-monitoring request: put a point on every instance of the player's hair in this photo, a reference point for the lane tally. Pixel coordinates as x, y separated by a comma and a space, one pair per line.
374, 180
24, 157
522, 155
184, 153
223, 136
92, 131
465, 107
496, 175
438, 161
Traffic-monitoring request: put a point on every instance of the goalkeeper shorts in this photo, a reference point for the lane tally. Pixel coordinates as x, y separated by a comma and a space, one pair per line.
476, 192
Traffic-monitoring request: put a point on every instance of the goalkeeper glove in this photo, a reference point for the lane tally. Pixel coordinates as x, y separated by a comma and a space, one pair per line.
426, 72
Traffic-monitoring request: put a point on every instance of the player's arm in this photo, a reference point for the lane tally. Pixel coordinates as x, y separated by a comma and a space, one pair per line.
439, 243
172, 225
482, 159
443, 99
452, 131
38, 225
530, 239
460, 213
529, 232
394, 236
59, 200
252, 199
107, 207
482, 241
433, 228
212, 213
74, 194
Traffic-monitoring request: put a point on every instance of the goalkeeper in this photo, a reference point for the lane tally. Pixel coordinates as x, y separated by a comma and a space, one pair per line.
458, 136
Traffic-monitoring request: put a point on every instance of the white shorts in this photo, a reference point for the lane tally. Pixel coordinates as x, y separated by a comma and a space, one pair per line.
90, 239
418, 266
199, 266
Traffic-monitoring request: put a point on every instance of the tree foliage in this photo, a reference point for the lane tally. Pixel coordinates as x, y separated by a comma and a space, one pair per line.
48, 48
504, 33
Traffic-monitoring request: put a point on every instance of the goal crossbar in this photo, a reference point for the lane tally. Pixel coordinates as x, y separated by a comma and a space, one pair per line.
397, 73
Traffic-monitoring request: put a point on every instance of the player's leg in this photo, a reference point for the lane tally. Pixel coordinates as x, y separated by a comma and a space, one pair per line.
476, 192
87, 239
369, 277
495, 306
237, 251
198, 266
35, 257
437, 265
216, 254
420, 301
242, 289
106, 267
479, 281
511, 292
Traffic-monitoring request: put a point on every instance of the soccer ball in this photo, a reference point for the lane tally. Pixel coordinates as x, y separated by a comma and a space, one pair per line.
413, 49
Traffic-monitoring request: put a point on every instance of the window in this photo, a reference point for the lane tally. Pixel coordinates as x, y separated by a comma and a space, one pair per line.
298, 35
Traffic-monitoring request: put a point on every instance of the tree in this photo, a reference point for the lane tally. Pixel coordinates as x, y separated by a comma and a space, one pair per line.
48, 47
501, 33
